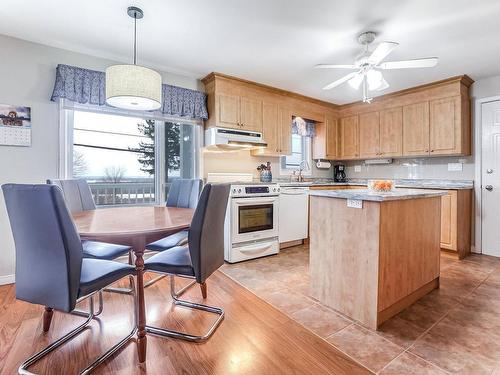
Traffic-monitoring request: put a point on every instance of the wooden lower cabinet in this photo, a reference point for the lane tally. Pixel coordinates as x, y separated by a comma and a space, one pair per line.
456, 215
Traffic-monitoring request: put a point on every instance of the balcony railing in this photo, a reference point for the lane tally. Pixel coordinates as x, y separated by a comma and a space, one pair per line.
114, 193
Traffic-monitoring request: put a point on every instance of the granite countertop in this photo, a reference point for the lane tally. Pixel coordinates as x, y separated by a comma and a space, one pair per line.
369, 195
400, 183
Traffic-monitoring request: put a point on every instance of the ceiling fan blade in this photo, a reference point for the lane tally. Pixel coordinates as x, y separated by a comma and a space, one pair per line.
427, 62
384, 85
340, 81
381, 52
332, 66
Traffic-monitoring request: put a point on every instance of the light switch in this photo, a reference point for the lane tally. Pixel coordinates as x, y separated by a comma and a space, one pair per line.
357, 168
355, 203
455, 167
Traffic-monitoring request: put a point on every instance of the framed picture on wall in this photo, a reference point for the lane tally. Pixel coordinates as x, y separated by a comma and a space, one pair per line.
15, 125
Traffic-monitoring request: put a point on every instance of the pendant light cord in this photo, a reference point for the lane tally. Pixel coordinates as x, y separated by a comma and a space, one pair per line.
135, 39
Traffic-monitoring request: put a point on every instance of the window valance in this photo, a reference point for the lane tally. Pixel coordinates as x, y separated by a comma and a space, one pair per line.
302, 127
87, 86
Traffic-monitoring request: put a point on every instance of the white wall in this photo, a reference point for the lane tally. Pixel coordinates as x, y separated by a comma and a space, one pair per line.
27, 74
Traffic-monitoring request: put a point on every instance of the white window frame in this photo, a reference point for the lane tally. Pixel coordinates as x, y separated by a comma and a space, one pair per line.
65, 167
308, 157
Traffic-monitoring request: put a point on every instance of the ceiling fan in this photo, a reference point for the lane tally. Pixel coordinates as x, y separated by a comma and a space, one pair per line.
368, 66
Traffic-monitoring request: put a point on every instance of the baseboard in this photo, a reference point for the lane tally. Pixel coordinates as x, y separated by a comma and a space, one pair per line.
7, 279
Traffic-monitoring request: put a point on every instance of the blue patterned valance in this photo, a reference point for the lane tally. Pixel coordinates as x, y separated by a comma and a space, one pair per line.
304, 128
87, 86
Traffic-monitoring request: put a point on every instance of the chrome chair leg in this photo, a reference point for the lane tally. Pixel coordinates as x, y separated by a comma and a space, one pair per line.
123, 290
178, 293
198, 306
91, 315
42, 353
98, 361
99, 311
155, 280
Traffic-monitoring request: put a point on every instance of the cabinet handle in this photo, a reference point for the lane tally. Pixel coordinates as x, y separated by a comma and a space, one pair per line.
432, 150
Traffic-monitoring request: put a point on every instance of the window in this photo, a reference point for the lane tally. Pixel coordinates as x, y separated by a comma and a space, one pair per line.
301, 151
128, 159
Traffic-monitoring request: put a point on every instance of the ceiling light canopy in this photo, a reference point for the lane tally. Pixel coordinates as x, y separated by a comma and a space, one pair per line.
133, 87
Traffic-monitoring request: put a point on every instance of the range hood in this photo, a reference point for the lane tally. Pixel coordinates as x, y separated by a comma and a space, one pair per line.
223, 139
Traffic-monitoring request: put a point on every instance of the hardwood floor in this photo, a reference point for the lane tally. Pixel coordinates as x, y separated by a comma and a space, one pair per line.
254, 338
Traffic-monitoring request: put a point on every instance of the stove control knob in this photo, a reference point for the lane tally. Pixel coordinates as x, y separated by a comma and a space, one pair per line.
239, 190
234, 190
274, 189
278, 190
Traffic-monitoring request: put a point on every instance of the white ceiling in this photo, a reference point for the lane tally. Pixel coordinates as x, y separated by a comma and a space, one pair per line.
276, 42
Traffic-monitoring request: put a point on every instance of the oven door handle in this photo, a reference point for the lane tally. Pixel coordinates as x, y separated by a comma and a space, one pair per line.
243, 201
255, 249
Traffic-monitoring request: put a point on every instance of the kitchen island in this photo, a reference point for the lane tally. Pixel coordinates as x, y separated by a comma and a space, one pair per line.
373, 254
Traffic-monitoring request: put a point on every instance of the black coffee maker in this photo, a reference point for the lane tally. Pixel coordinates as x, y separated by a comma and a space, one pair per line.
339, 173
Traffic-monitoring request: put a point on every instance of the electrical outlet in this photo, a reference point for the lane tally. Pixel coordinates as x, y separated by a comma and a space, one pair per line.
357, 168
355, 203
455, 167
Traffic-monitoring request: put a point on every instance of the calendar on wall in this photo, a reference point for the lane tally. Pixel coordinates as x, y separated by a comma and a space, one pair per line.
15, 125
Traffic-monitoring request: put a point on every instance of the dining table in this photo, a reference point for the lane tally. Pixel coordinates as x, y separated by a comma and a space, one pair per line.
134, 226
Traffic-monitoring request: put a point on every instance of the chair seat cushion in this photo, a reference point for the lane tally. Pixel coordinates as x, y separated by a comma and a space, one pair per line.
176, 239
97, 274
103, 250
175, 261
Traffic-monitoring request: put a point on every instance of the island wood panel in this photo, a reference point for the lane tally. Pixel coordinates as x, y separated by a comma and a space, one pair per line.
369, 135
391, 132
445, 126
416, 129
409, 256
349, 137
343, 259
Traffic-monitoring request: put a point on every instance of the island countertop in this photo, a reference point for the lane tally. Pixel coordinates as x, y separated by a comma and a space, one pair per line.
375, 196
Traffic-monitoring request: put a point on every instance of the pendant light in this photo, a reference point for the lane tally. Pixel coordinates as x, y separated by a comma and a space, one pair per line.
133, 87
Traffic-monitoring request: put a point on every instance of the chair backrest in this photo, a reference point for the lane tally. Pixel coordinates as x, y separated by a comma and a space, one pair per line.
184, 193
76, 193
206, 235
48, 247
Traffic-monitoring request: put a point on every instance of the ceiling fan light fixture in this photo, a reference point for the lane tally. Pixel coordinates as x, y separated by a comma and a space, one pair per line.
375, 79
133, 87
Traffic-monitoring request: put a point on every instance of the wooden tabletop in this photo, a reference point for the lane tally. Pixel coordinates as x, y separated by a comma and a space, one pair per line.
132, 220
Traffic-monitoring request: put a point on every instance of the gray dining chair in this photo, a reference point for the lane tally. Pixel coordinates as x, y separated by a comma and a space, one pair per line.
78, 198
183, 193
197, 260
50, 268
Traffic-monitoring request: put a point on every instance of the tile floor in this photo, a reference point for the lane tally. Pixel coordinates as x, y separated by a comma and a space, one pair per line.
452, 330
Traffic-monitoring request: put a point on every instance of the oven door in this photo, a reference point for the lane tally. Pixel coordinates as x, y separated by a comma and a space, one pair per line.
254, 218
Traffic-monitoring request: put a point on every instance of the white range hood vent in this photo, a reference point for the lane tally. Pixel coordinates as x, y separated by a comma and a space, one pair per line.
222, 139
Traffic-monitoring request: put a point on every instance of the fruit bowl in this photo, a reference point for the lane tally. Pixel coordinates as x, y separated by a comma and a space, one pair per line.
381, 185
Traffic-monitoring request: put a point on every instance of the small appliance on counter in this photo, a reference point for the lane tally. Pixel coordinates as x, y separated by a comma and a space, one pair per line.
265, 172
339, 173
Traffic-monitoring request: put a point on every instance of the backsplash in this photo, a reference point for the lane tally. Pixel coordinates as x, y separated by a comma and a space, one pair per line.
431, 168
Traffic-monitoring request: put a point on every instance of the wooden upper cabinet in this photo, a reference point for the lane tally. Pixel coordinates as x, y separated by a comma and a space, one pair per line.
285, 131
445, 126
251, 114
416, 129
270, 130
228, 111
391, 132
369, 135
325, 141
349, 137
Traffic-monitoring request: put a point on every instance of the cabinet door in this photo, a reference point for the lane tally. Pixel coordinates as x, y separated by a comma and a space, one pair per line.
449, 221
416, 129
251, 114
391, 132
228, 111
331, 138
349, 135
369, 135
270, 130
285, 134
445, 126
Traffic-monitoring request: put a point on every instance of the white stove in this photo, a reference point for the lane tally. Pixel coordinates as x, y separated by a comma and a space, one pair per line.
251, 227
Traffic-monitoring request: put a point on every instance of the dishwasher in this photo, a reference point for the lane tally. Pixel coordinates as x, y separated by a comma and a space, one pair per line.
293, 213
